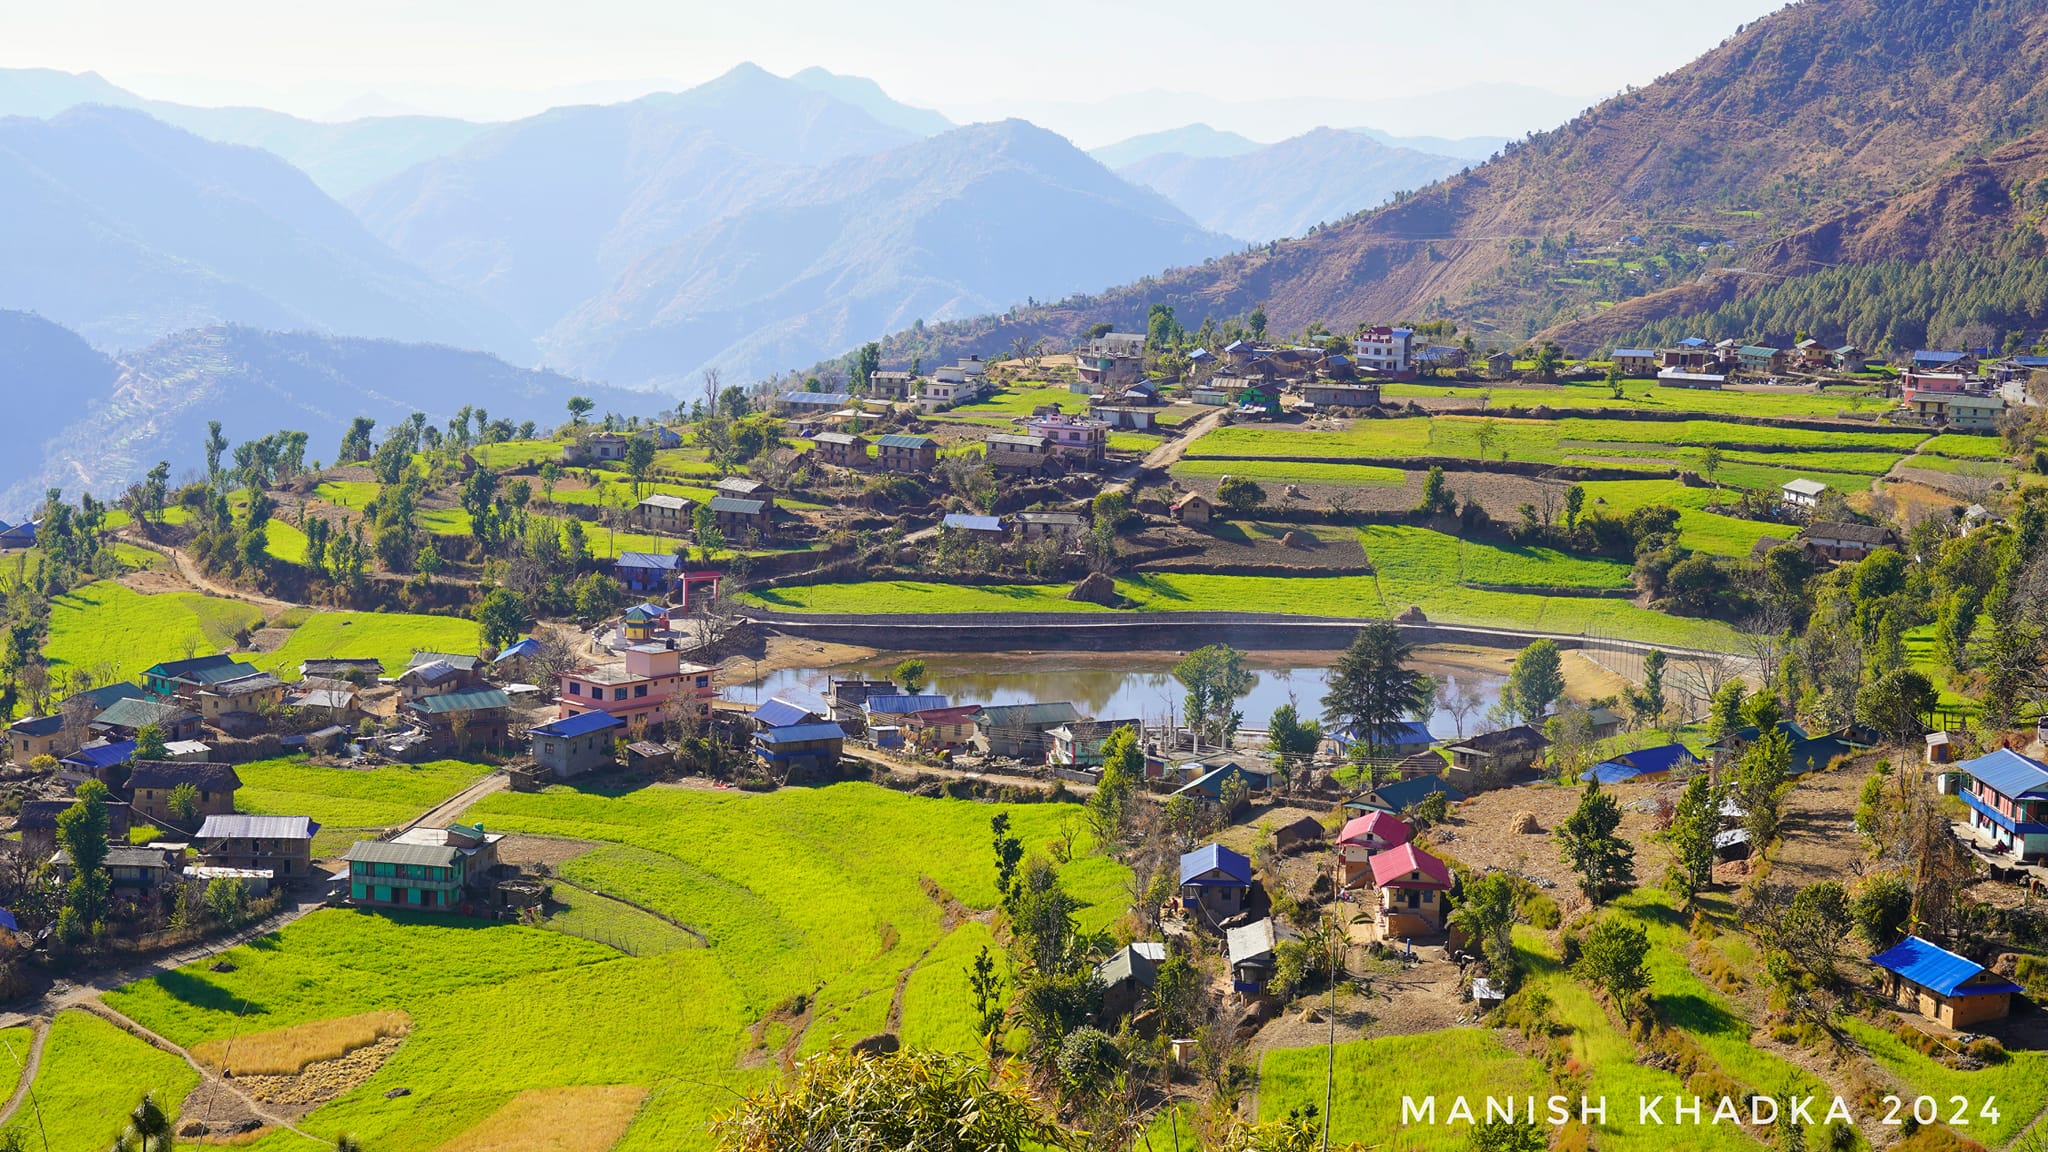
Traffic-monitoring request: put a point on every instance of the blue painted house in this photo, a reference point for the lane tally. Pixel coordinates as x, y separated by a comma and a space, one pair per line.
576, 744
2007, 794
1952, 990
1215, 883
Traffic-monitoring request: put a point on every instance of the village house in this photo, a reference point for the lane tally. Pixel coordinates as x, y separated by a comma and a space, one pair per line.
2007, 794
1390, 351
280, 845
439, 868
1402, 738
36, 824
1732, 745
986, 527
1364, 837
1209, 779
1038, 525
601, 446
1846, 542
843, 449
1217, 392
472, 717
1334, 395
1010, 452
906, 452
14, 537
1132, 417
573, 745
1127, 976
1636, 362
737, 516
1701, 381
239, 705
1298, 833
37, 736
1849, 358
130, 868
638, 688
1112, 359
890, 384
1801, 493
797, 750
942, 729
1931, 360
1811, 355
894, 708
742, 486
331, 701
810, 403
1494, 758
663, 513
1019, 731
1644, 764
1078, 746
1971, 412
665, 574
1215, 883
183, 677
1948, 989
1193, 509
128, 717
1499, 365
1401, 795
97, 760
1758, 360
946, 388
151, 782
1076, 438
1412, 885
1251, 948
433, 677
776, 712
356, 670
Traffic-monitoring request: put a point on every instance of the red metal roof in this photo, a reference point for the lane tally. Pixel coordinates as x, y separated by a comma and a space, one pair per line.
1391, 869
1385, 825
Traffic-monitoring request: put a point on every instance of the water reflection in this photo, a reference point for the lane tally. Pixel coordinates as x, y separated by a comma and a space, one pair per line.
1138, 685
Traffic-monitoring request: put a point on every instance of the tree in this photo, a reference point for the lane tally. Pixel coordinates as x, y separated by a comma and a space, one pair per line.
1506, 1136
149, 743
1695, 821
1256, 322
1646, 704
1240, 494
1437, 497
148, 1130
502, 617
867, 360
184, 802
1292, 741
1611, 959
579, 407
1486, 915
227, 900
550, 475
1123, 769
215, 445
910, 674
1898, 703
1215, 678
1484, 434
1574, 506
1710, 463
1589, 843
355, 443
1372, 689
1881, 909
82, 833
1536, 680
1724, 714
1760, 785
1549, 361
868, 1103
1815, 929
990, 1005
1009, 851
639, 460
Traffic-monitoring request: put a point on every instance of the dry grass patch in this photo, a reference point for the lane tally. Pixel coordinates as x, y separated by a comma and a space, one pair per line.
574, 1118
288, 1051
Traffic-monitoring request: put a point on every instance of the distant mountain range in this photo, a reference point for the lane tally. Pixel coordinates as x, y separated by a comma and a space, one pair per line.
341, 158
88, 422
125, 228
1284, 189
1192, 140
1829, 129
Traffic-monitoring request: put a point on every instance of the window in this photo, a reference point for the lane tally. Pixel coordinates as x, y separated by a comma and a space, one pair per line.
639, 690
548, 747
575, 689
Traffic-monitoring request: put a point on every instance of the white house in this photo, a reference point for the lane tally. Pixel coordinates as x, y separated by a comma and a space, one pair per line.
1802, 493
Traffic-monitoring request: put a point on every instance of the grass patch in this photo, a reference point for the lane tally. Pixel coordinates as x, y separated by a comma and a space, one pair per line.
516, 453
108, 624
1419, 553
92, 1075
389, 637
609, 921
1022, 401
287, 1051
2020, 1084
1647, 396
354, 495
379, 797
1540, 441
572, 1118
1348, 475
1468, 1062
1966, 447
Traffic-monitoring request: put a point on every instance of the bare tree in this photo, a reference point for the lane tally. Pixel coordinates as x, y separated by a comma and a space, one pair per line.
1767, 638
1697, 678
1460, 697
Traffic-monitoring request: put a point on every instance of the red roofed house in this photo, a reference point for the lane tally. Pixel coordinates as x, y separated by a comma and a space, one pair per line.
1362, 837
1411, 884
943, 729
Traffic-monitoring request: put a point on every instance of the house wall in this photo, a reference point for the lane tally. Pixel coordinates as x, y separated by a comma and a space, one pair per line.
155, 803
26, 748
285, 858
573, 756
1218, 901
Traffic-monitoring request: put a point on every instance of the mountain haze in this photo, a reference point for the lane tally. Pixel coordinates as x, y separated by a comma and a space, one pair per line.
960, 223
868, 96
1192, 140
124, 228
1286, 188
1820, 108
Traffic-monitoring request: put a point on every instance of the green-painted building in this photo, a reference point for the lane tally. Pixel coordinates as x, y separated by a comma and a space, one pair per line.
428, 868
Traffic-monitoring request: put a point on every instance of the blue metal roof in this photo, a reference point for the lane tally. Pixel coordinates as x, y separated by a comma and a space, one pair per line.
1636, 352
1937, 969
799, 733
2008, 773
904, 705
2031, 361
1406, 732
1662, 758
1215, 858
1692, 342
1612, 772
1404, 793
780, 713
526, 647
581, 724
667, 562
103, 755
1938, 357
974, 523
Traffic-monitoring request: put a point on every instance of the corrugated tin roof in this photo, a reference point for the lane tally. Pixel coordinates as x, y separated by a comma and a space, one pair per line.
780, 713
904, 705
386, 852
474, 700
1396, 863
581, 724
665, 562
799, 733
1937, 969
904, 440
736, 505
969, 523
1384, 825
2009, 774
1215, 858
238, 826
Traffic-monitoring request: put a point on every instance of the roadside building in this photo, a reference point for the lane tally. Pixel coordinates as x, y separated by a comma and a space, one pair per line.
2007, 795
796, 750
906, 452
737, 517
130, 868
472, 717
1011, 452
1337, 395
438, 868
1077, 439
280, 845
573, 745
942, 729
1975, 412
896, 707
1215, 883
1078, 745
1801, 493
1679, 378
1390, 351
1111, 360
665, 574
1636, 362
1846, 542
151, 783
1038, 525
1019, 731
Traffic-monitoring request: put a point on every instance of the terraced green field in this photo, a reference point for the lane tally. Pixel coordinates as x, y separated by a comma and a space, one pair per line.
92, 1074
807, 947
108, 625
1278, 472
1648, 396
389, 637
348, 803
1538, 441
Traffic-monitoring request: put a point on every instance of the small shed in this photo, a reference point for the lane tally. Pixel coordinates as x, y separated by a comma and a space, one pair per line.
1939, 750
1949, 989
1193, 508
1301, 832
1215, 882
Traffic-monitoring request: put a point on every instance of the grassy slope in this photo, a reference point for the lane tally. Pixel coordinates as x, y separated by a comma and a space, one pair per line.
1648, 397
835, 912
391, 637
345, 801
107, 622
92, 1075
1470, 1062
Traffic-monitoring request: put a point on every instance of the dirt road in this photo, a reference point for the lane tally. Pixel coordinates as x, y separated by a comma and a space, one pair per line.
191, 574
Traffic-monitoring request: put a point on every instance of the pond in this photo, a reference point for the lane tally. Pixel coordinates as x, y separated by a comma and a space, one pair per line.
1107, 687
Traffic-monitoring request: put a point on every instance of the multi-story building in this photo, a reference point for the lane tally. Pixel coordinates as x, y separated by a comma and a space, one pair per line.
1073, 438
439, 868
1388, 350
281, 845
638, 688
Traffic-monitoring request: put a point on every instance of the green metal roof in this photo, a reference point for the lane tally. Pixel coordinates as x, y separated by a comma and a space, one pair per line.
385, 852
474, 700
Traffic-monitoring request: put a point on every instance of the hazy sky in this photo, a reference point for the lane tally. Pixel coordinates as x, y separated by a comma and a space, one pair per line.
970, 59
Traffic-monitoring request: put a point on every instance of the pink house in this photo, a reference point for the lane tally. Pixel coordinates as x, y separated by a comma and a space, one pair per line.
1362, 837
1411, 885
639, 688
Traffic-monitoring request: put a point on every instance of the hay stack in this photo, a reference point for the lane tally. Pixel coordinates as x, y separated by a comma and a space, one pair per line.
1096, 588
1523, 823
1412, 616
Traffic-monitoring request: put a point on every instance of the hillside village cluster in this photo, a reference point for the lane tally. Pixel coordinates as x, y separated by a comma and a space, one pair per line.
1368, 811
